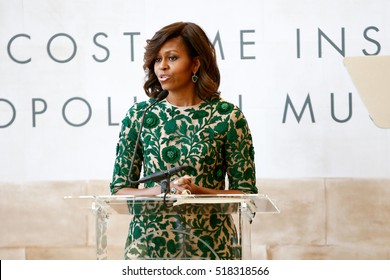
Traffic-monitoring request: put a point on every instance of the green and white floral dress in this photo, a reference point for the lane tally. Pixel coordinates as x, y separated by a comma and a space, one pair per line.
212, 138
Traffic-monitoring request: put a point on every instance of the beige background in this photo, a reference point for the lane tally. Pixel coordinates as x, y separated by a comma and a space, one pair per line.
319, 219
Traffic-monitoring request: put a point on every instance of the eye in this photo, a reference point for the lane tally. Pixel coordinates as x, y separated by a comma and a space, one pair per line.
173, 58
157, 59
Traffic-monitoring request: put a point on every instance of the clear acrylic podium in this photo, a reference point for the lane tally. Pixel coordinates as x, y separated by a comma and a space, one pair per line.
241, 207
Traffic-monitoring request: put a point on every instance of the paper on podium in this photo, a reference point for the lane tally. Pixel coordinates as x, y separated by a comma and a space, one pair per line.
371, 77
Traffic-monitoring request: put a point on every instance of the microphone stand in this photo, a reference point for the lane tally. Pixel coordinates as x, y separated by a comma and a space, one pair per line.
166, 188
163, 178
162, 95
166, 185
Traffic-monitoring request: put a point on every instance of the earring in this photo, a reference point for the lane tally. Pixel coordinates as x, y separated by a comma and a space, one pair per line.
194, 78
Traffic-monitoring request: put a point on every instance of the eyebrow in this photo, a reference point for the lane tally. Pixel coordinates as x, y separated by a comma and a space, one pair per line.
170, 51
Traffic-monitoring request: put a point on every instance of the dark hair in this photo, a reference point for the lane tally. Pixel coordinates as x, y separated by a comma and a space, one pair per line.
198, 45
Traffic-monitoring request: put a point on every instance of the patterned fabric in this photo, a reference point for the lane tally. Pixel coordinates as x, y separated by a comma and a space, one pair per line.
214, 140
187, 232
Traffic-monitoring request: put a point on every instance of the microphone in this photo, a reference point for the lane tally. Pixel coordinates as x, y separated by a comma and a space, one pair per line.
161, 175
161, 96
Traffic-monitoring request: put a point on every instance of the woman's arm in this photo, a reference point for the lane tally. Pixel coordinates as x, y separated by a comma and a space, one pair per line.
201, 190
185, 183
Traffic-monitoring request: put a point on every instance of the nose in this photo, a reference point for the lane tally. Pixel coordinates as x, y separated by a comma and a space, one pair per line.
163, 64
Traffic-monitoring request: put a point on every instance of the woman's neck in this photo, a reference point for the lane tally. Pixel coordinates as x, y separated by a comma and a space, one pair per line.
183, 100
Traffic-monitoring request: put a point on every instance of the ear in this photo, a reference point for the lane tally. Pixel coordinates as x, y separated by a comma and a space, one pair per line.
196, 64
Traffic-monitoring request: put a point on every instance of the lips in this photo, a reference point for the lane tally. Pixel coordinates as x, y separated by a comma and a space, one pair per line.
163, 77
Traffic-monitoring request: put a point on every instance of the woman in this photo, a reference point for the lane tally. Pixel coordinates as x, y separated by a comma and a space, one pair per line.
193, 126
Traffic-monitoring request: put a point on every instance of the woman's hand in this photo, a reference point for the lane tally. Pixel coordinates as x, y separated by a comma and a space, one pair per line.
183, 185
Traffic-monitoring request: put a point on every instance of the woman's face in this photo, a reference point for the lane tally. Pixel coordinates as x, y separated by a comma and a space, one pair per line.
174, 67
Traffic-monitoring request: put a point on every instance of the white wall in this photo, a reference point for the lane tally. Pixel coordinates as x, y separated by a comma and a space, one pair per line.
281, 57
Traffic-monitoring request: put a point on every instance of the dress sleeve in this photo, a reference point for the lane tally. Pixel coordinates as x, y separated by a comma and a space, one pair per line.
124, 152
240, 154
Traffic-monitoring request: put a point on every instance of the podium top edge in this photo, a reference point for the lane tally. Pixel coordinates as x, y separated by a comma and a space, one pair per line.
170, 196
256, 202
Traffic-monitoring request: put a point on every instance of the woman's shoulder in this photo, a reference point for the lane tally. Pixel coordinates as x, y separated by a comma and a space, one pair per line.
223, 106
